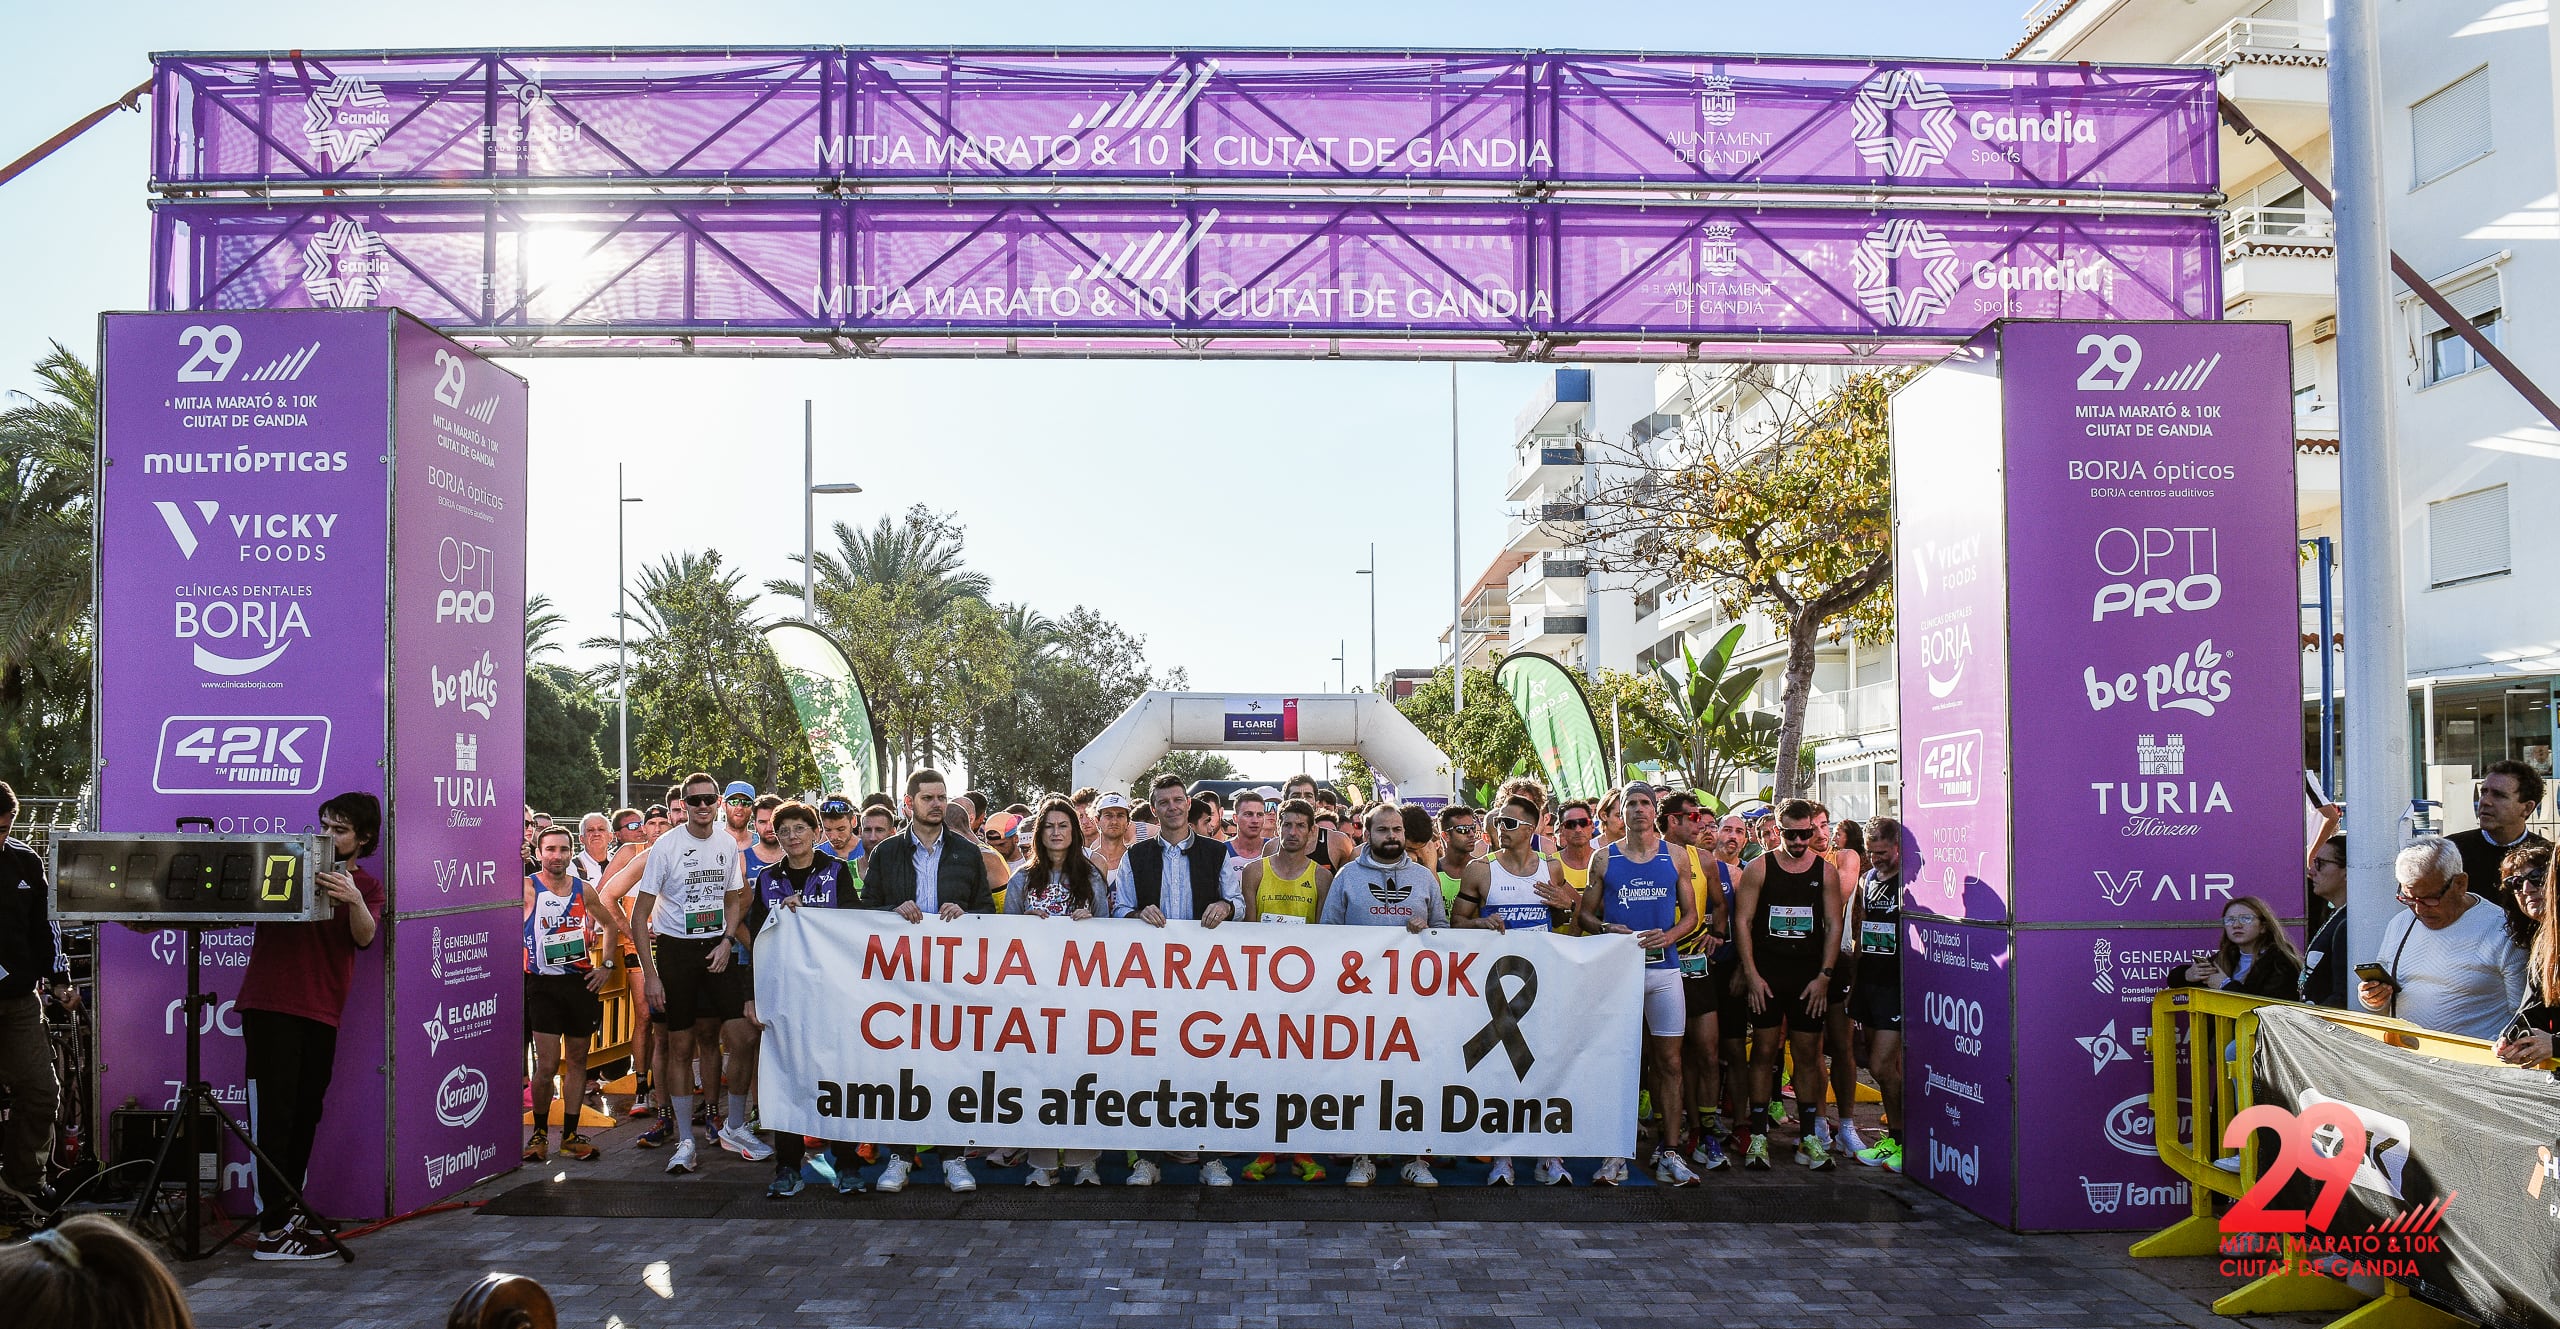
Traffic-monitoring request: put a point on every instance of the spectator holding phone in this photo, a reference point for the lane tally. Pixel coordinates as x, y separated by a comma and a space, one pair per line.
2447, 963
2256, 958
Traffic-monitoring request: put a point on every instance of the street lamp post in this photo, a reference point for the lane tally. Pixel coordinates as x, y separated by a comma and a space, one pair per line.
621, 644
809, 491
1342, 671
1371, 572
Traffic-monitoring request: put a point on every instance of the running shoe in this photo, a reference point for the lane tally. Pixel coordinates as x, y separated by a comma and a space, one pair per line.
1042, 1177
1214, 1173
1005, 1157
1088, 1174
1778, 1110
1755, 1157
1306, 1167
1813, 1153
955, 1174
893, 1176
683, 1161
1822, 1128
849, 1181
1885, 1153
1846, 1140
1551, 1172
1668, 1170
295, 1241
745, 1144
579, 1147
1418, 1173
1145, 1173
1260, 1168
658, 1136
1500, 1174
642, 1106
1709, 1156
538, 1149
1362, 1172
785, 1184
1613, 1172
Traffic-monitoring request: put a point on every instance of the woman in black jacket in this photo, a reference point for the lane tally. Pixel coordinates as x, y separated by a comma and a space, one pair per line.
2528, 1041
2256, 959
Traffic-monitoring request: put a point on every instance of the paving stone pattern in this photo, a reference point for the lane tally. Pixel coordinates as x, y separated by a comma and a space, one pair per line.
1942, 1267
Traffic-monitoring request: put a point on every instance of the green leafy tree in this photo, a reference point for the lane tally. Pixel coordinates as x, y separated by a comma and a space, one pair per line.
1776, 500
563, 773
705, 691
1083, 672
48, 633
1190, 766
1486, 740
1716, 734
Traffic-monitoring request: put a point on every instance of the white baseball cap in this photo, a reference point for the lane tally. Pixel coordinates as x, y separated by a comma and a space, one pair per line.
1111, 803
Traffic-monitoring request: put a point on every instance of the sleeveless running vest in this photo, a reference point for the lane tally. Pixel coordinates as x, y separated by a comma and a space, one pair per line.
1287, 899
1644, 897
1697, 942
1788, 929
1880, 932
557, 933
1515, 898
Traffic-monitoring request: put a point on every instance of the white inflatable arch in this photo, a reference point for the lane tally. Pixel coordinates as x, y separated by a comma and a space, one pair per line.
1366, 723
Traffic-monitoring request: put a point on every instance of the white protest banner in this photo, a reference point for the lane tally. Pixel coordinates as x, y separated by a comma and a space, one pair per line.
1247, 1038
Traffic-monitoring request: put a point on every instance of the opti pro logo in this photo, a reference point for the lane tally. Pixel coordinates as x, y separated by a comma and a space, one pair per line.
467, 571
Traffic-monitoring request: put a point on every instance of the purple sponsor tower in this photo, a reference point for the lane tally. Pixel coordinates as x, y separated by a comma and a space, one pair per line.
2097, 626
311, 581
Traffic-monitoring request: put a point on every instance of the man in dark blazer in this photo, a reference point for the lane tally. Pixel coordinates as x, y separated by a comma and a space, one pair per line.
1192, 887
922, 870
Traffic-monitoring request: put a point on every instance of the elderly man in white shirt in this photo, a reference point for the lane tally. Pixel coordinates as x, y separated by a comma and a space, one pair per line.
2452, 967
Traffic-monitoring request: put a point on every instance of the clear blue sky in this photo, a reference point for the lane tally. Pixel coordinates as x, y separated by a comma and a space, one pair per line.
1218, 510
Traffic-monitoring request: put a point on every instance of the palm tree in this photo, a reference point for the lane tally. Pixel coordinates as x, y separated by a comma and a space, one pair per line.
49, 448
540, 621
921, 552
700, 671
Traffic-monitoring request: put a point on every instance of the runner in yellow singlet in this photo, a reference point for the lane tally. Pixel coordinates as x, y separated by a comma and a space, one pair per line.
1576, 821
1288, 885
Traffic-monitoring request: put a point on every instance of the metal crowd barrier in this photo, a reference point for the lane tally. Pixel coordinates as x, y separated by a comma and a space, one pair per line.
615, 1030
2219, 1033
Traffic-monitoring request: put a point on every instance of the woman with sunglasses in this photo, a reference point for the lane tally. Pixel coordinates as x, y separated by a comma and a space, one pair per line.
2324, 962
2520, 875
1507, 892
1059, 882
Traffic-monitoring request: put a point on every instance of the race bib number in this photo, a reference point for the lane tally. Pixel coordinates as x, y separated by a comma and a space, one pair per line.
564, 948
1694, 966
1282, 918
1523, 917
1793, 922
1877, 937
701, 922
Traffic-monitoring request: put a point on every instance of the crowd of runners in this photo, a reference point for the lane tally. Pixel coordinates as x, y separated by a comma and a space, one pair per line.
1771, 944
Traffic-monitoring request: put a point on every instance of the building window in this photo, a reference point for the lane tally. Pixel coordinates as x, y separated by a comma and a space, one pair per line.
2446, 353
2467, 537
2450, 129
2306, 381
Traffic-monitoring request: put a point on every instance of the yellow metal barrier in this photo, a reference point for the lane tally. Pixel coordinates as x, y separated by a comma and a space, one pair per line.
2219, 1030
615, 1028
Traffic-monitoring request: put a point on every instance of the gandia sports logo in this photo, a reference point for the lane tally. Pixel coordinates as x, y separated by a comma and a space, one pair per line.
345, 120
1885, 104
1879, 277
343, 267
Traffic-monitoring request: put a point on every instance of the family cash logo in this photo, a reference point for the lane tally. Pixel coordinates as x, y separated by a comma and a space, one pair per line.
345, 121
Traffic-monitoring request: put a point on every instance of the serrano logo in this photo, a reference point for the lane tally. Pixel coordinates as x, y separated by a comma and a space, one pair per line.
1887, 101
1905, 247
345, 120
343, 267
462, 1097
2129, 1127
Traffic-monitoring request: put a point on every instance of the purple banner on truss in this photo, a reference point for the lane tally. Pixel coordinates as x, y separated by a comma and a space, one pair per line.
1309, 117
824, 267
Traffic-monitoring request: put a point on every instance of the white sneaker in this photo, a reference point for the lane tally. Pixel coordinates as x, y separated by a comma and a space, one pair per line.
1042, 1177
1846, 1140
1501, 1173
1088, 1175
1214, 1173
893, 1176
955, 1174
1362, 1172
745, 1143
1003, 1157
1418, 1173
1550, 1172
683, 1160
1670, 1171
1144, 1172
1613, 1172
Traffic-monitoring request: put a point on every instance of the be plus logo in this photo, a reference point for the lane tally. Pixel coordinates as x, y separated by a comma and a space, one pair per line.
468, 574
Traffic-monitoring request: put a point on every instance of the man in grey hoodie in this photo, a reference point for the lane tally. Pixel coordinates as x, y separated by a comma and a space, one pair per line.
1385, 887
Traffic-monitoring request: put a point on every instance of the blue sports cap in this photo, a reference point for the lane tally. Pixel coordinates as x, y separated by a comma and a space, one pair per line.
738, 787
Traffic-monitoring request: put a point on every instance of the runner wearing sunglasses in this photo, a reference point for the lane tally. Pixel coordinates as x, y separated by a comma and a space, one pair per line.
1506, 893
1577, 821
1790, 903
1637, 893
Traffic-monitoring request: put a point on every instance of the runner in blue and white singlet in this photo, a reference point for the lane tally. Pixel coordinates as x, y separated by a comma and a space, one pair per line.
1636, 890
1515, 890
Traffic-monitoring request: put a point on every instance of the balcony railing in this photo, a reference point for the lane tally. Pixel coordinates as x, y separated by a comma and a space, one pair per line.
1862, 710
2265, 225
1526, 578
2242, 38
1550, 625
1560, 512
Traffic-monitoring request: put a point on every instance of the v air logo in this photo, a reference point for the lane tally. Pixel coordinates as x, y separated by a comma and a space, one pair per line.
343, 267
1883, 265
1140, 264
1161, 108
345, 120
1886, 103
2104, 1049
182, 530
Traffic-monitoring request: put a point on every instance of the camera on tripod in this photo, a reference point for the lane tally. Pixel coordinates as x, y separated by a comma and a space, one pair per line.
181, 878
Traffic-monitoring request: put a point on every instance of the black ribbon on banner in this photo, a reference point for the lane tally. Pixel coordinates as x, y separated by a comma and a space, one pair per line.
1504, 1028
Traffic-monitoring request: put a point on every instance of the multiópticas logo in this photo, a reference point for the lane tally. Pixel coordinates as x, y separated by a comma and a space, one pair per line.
2338, 1145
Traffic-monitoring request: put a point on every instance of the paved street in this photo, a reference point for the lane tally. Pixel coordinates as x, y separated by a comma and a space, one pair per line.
1937, 1267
